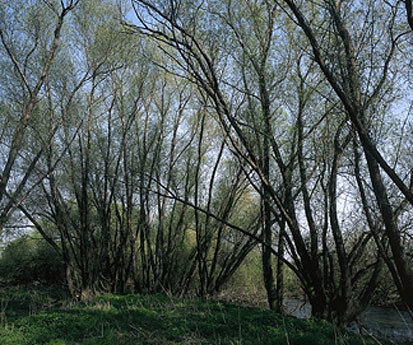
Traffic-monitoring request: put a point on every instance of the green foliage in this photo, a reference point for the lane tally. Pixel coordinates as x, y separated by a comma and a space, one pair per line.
246, 286
29, 259
158, 319
17, 303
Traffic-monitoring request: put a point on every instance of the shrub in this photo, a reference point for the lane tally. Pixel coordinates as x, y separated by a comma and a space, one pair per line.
29, 259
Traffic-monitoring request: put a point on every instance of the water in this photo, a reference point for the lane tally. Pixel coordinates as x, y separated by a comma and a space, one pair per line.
388, 323
297, 308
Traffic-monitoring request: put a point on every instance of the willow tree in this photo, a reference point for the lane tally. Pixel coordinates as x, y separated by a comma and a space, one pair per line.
358, 56
252, 98
81, 162
29, 45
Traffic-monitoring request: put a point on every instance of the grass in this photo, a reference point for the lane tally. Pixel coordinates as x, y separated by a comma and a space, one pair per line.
40, 317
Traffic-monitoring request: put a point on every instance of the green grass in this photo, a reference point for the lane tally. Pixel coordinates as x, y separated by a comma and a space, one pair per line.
38, 317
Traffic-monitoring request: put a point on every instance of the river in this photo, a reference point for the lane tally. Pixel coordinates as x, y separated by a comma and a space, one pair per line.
387, 323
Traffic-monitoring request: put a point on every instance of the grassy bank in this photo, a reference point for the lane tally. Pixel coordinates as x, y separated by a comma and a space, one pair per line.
39, 317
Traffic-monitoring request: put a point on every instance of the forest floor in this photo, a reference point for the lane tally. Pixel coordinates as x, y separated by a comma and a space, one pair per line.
48, 317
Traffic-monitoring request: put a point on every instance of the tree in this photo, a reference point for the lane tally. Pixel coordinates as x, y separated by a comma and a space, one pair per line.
332, 295
29, 71
75, 196
409, 12
346, 79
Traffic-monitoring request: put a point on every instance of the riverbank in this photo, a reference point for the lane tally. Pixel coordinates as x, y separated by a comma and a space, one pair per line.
36, 317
